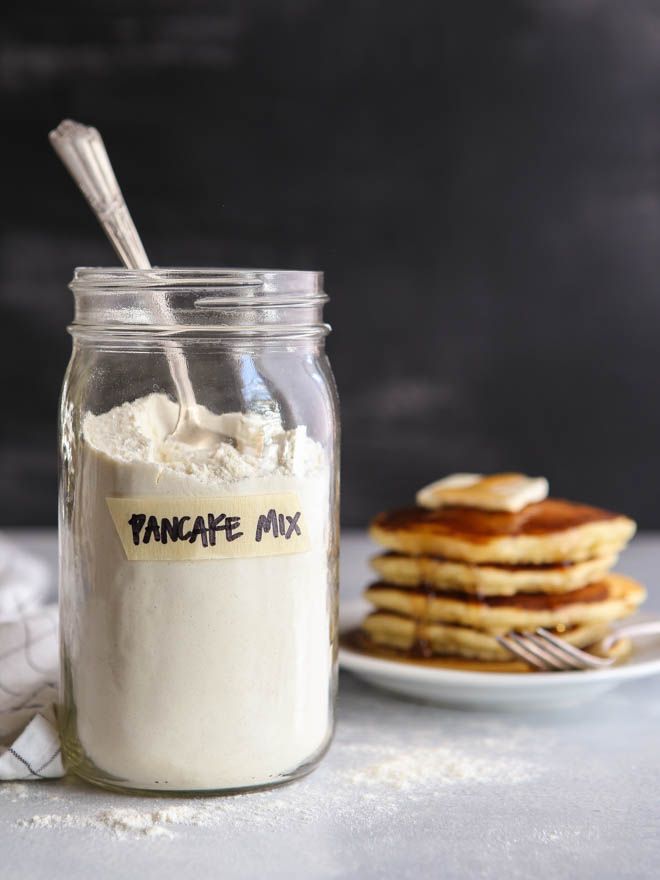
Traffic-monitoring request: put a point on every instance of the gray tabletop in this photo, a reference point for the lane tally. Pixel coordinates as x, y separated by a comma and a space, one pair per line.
407, 790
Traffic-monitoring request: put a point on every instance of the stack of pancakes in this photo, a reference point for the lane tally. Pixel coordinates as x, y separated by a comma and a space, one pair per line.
456, 576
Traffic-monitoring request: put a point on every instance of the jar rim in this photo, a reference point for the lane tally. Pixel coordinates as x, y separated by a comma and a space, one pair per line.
231, 302
225, 281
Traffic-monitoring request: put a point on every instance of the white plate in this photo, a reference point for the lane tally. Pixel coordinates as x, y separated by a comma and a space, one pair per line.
492, 690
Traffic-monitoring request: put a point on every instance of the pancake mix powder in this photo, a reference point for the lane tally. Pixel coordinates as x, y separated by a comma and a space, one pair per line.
206, 653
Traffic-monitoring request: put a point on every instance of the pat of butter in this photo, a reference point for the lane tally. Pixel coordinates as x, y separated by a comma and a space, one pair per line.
505, 492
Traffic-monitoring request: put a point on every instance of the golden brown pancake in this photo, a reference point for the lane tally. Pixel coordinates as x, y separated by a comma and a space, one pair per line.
437, 644
489, 579
611, 598
553, 530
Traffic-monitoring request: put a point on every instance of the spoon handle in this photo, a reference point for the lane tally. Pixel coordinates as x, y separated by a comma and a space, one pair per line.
83, 152
81, 149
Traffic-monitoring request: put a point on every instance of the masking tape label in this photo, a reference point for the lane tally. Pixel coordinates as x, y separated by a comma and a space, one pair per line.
183, 528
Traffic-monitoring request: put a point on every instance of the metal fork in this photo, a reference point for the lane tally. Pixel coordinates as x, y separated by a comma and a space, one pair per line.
543, 650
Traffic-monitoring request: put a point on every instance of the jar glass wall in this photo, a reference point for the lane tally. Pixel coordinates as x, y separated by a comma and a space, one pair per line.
198, 582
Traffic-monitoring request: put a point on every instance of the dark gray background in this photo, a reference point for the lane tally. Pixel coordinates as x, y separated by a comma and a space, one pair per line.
479, 180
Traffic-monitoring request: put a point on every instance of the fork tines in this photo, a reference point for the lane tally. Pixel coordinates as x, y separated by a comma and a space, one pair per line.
543, 650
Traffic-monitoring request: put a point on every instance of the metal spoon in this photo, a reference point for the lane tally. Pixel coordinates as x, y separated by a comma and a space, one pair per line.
83, 153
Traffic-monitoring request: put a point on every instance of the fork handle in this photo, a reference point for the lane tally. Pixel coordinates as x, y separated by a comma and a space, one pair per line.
649, 628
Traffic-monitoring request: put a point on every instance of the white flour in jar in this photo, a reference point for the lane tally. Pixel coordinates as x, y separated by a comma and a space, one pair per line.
199, 674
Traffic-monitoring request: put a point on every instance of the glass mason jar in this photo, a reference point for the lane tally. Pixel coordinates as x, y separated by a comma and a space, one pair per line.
198, 543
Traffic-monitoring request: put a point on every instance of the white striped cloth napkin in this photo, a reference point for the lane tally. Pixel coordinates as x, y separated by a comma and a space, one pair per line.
29, 742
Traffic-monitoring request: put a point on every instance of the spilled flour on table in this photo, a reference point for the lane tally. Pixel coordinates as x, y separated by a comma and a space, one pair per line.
126, 821
373, 783
133, 822
417, 767
14, 790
